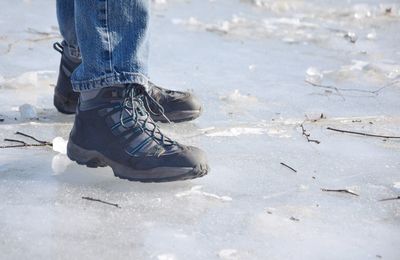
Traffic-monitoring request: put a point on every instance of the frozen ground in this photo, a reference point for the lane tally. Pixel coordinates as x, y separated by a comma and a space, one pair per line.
248, 62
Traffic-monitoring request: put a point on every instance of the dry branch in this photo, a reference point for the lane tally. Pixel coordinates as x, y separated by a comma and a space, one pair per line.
341, 190
101, 201
307, 135
287, 166
35, 139
363, 134
24, 144
395, 198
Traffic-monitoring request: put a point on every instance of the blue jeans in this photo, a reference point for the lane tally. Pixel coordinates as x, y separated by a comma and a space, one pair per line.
110, 37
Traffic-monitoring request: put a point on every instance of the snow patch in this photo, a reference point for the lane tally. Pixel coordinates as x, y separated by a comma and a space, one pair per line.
60, 163
166, 257
196, 191
236, 131
159, 1
60, 145
228, 254
30, 79
238, 97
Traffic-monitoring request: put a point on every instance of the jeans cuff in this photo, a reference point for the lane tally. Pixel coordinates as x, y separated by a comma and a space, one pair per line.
112, 79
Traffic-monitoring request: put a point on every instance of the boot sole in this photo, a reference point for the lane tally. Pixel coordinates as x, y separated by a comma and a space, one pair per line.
94, 159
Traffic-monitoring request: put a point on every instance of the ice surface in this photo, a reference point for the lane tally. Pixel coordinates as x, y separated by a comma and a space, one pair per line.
248, 61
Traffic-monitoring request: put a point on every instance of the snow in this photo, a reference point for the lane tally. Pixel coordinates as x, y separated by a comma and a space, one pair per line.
248, 61
60, 145
228, 254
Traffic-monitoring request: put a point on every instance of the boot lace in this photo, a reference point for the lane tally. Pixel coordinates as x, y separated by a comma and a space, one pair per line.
136, 104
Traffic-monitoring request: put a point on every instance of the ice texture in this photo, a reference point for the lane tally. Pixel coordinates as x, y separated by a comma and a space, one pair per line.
271, 75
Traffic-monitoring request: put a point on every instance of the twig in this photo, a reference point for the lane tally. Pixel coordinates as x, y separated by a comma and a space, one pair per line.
341, 190
24, 144
363, 134
307, 135
395, 198
101, 201
33, 138
15, 141
284, 164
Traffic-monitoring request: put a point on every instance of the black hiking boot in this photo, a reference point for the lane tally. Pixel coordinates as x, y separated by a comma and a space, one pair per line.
178, 106
65, 99
114, 129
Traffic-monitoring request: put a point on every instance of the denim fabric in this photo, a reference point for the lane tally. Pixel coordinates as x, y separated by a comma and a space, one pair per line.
110, 37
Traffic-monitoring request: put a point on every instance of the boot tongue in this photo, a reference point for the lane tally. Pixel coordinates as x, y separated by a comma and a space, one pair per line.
103, 97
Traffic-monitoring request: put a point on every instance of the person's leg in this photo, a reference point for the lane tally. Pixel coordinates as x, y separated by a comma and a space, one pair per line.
178, 106
113, 126
113, 40
66, 24
65, 99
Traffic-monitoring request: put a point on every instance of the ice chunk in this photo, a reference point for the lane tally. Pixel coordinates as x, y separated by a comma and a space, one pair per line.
371, 35
358, 65
228, 254
27, 111
314, 75
60, 145
236, 96
60, 163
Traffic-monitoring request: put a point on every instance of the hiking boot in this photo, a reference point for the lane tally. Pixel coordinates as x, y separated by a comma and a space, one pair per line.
178, 106
65, 99
114, 129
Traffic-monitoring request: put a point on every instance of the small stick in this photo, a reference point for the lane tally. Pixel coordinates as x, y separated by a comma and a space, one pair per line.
101, 201
21, 144
291, 168
294, 219
363, 134
33, 138
341, 190
395, 198
307, 135
15, 141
